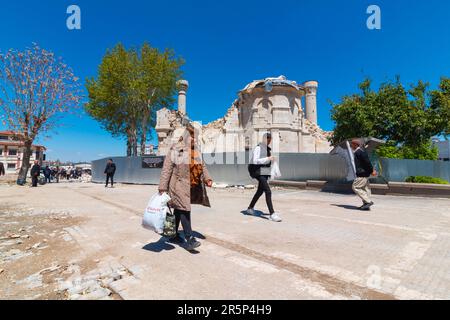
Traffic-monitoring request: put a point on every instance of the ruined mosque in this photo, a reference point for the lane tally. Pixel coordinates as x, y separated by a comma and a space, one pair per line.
286, 109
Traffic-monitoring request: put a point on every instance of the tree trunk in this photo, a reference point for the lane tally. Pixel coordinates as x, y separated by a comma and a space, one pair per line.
25, 163
143, 138
135, 143
132, 141
128, 146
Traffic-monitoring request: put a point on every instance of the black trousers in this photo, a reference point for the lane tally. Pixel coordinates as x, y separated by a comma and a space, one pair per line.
34, 181
108, 177
185, 218
263, 187
48, 179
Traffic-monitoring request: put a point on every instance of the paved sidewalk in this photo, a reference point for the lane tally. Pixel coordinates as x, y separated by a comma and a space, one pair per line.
324, 248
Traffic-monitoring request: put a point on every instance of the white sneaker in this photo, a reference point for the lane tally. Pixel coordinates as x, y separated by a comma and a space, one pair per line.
275, 218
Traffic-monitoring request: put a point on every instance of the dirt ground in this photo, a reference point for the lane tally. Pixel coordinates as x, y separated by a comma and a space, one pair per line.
34, 249
36, 253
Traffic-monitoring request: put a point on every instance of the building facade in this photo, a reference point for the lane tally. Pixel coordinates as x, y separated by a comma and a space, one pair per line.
277, 105
11, 152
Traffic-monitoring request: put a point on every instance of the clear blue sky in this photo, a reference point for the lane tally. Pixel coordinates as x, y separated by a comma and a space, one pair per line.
227, 44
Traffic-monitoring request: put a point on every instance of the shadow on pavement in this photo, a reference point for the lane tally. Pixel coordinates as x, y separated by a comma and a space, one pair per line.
198, 235
258, 214
346, 207
164, 244
159, 246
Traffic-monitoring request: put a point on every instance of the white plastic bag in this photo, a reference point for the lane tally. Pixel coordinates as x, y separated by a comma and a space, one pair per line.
275, 171
155, 213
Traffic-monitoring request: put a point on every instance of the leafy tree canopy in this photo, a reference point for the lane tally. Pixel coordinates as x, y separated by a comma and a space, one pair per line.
406, 118
131, 85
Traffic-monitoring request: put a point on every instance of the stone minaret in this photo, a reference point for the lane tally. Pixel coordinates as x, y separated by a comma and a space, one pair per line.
311, 100
182, 86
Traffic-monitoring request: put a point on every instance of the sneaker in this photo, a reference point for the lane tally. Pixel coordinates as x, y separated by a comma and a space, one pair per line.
191, 244
275, 218
366, 206
250, 212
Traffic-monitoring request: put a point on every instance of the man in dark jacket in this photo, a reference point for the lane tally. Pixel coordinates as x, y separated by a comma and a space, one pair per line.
110, 170
47, 174
2, 169
364, 169
35, 172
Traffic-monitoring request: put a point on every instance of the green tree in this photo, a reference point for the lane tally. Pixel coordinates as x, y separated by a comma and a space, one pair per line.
130, 87
406, 118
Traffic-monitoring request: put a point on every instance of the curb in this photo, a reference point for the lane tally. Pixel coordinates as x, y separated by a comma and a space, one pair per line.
392, 188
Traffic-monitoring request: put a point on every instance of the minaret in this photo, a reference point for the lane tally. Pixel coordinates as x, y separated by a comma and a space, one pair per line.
182, 86
311, 100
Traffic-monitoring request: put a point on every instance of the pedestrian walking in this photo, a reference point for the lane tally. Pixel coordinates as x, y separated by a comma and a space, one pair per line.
110, 170
2, 169
184, 176
47, 174
35, 172
57, 174
260, 169
364, 169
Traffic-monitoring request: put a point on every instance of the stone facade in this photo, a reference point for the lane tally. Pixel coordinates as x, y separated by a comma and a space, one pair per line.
271, 105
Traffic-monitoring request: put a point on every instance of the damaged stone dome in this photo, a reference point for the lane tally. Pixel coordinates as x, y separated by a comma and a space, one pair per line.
283, 107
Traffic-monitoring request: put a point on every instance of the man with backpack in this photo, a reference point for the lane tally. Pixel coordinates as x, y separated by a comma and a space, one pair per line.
260, 169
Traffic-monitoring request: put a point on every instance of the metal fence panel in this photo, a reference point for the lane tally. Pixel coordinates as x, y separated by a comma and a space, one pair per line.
397, 170
294, 167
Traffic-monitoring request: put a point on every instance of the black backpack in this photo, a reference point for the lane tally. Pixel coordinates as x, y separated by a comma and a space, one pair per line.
254, 170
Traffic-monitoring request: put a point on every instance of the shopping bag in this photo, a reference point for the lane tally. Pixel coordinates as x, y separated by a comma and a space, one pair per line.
275, 171
170, 225
155, 213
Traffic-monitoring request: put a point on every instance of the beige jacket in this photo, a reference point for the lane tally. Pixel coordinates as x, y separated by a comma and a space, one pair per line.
175, 178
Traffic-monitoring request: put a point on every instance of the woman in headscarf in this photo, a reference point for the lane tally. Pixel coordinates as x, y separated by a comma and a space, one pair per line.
184, 176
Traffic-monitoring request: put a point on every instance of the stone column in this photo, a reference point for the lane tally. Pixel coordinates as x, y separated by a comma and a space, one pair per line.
275, 142
300, 141
311, 100
182, 86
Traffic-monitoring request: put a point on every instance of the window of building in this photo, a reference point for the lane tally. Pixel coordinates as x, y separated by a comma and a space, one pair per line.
247, 143
1, 151
11, 166
3, 138
12, 152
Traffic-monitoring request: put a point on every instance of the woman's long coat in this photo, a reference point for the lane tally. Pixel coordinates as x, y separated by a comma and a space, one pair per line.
175, 178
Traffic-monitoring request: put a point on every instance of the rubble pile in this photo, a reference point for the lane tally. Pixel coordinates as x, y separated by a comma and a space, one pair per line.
316, 131
97, 284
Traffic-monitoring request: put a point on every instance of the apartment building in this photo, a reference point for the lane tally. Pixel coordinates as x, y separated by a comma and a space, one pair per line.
11, 152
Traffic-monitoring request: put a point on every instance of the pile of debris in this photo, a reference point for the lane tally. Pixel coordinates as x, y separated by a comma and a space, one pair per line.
97, 284
316, 131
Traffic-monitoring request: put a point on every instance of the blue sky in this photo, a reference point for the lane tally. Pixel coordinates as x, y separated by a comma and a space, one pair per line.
227, 44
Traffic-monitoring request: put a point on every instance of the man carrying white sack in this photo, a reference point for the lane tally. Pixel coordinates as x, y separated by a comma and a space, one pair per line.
260, 169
